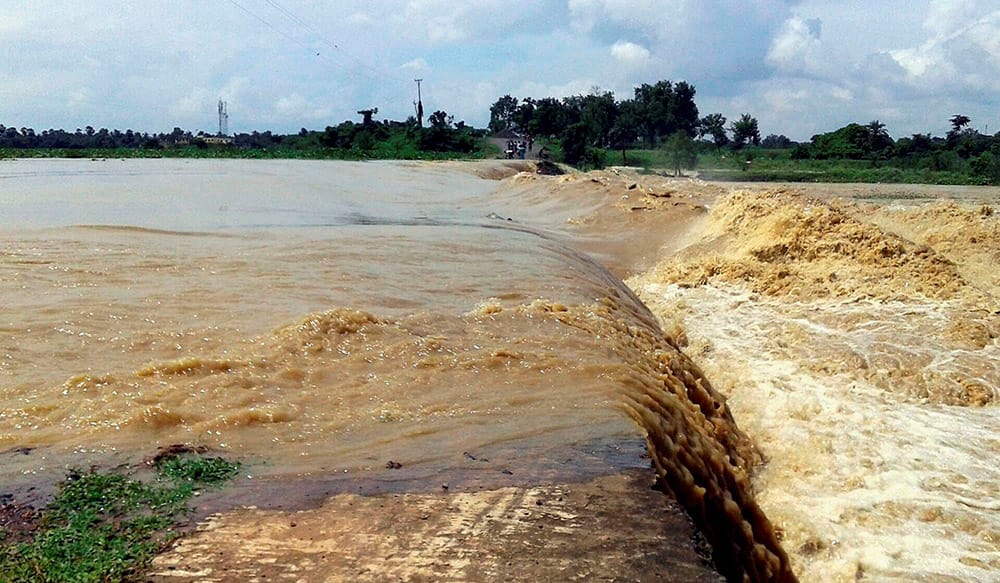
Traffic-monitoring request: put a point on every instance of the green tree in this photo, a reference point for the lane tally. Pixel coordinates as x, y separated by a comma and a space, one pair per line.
364, 140
681, 152
444, 135
745, 131
626, 129
549, 118
879, 142
987, 167
877, 134
502, 113
913, 147
776, 141
574, 144
524, 115
664, 108
685, 110
577, 149
440, 120
958, 123
713, 125
852, 141
599, 111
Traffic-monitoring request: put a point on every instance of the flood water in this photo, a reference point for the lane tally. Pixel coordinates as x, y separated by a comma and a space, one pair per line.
313, 318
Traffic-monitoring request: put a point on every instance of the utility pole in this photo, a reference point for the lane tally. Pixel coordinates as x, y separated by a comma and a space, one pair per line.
419, 105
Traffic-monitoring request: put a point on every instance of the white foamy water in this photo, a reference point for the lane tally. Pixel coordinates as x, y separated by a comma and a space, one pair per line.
867, 476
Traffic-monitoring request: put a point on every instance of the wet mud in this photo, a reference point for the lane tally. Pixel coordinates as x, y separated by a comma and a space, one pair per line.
599, 529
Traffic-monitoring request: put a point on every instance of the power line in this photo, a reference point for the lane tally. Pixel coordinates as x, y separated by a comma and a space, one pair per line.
367, 70
301, 22
333, 45
266, 23
379, 79
377, 75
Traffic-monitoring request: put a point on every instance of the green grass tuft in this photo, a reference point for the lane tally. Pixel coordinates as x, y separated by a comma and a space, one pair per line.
197, 469
105, 527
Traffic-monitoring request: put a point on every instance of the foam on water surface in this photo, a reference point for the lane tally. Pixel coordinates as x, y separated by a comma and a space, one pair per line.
874, 404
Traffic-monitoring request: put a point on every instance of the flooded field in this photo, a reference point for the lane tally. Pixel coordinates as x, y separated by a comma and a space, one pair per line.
813, 373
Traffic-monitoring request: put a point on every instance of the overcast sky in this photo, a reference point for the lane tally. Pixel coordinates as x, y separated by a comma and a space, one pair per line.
800, 67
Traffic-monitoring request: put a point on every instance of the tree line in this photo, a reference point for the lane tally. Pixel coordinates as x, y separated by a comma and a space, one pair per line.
90, 139
963, 150
369, 138
586, 125
583, 129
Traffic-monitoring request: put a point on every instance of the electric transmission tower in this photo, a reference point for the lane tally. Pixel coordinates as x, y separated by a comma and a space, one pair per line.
223, 119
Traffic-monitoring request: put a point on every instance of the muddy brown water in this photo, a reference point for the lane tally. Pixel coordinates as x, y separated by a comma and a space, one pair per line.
325, 319
310, 317
363, 335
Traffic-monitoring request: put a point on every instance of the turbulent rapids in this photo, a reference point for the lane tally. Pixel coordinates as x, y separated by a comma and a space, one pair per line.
801, 359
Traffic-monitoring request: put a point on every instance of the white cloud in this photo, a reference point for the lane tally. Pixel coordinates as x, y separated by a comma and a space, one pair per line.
443, 22
798, 47
782, 100
151, 66
484, 94
657, 18
201, 102
297, 107
416, 66
291, 104
78, 98
579, 86
11, 24
918, 61
963, 48
630, 54
842, 94
360, 19
947, 17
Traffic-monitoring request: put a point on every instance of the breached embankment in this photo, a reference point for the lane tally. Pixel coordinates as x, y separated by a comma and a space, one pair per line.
370, 335
857, 344
480, 353
699, 453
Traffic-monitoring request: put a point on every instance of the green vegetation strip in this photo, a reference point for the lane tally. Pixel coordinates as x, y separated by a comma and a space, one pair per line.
107, 527
381, 151
777, 165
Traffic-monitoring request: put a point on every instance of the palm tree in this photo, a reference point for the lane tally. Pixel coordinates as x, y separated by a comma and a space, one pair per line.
958, 122
878, 138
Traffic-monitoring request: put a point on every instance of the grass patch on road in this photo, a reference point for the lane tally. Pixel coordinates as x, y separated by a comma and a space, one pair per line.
105, 526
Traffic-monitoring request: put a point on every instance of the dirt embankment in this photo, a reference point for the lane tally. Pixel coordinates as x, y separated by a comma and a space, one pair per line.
783, 243
968, 236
